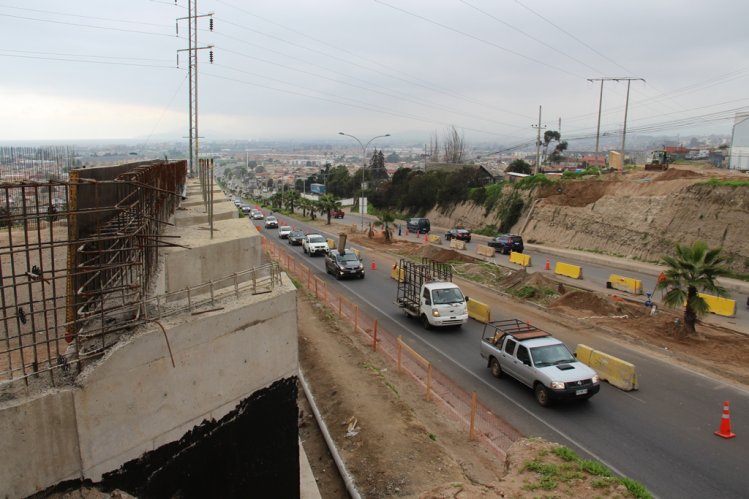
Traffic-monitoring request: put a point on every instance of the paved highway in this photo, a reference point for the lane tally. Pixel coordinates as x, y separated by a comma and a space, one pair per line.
661, 435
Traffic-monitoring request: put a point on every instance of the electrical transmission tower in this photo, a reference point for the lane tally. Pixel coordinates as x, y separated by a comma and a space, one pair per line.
192, 35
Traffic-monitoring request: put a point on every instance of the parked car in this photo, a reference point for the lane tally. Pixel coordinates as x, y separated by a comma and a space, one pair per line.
506, 243
296, 237
284, 231
418, 225
313, 244
344, 265
337, 213
459, 234
271, 222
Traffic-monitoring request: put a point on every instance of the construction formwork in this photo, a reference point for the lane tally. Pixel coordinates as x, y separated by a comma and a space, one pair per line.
77, 258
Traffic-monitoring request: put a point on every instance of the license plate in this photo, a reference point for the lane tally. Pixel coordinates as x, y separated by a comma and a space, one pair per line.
581, 392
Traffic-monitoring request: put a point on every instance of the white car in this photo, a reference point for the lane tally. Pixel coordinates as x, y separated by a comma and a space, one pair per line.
258, 215
271, 222
313, 244
284, 231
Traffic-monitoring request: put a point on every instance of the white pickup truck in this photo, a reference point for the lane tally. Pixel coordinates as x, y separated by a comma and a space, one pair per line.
537, 360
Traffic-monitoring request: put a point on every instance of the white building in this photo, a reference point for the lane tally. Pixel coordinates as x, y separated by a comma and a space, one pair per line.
740, 143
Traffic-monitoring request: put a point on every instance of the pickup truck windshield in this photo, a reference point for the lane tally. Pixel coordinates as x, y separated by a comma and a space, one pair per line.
449, 295
551, 355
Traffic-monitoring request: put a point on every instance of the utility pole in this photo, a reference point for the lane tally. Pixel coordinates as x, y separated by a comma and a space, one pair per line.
538, 141
192, 36
626, 108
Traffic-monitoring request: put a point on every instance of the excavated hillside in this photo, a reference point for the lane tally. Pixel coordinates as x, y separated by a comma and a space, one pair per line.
638, 215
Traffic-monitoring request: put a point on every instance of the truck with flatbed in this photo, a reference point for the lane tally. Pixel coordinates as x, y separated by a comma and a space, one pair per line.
538, 360
426, 291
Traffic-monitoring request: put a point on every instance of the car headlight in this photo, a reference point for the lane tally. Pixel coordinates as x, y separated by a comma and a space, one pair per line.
557, 385
595, 379
435, 312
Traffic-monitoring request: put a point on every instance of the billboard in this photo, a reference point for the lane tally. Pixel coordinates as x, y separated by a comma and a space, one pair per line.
317, 188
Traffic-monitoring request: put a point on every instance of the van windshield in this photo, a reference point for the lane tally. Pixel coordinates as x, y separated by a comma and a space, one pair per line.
449, 295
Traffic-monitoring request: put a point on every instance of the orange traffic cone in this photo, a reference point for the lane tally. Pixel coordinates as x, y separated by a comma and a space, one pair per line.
548, 264
374, 265
725, 423
426, 238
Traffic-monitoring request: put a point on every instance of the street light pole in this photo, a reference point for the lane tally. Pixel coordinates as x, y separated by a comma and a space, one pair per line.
364, 167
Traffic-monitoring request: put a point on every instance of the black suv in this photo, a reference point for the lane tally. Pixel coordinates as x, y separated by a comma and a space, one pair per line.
506, 243
418, 225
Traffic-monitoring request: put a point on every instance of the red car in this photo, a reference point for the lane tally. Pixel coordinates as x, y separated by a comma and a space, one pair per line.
337, 213
459, 234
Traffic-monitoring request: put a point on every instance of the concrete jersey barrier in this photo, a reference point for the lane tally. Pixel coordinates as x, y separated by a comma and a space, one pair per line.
568, 270
617, 372
520, 259
720, 306
478, 311
627, 284
484, 250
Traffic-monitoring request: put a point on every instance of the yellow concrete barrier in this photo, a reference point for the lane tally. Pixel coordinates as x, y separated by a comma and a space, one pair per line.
484, 250
627, 284
520, 259
331, 243
617, 372
434, 239
478, 311
397, 273
457, 244
569, 270
720, 306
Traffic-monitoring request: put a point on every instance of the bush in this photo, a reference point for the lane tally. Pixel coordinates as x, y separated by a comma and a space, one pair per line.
534, 180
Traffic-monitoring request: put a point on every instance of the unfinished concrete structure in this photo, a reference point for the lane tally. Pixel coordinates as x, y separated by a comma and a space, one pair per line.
146, 347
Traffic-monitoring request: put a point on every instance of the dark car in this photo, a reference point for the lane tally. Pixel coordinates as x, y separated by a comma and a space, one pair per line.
337, 213
459, 234
296, 237
506, 243
418, 225
343, 265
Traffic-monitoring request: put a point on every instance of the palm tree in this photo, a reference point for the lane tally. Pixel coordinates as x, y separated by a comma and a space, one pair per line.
327, 204
384, 219
291, 198
694, 268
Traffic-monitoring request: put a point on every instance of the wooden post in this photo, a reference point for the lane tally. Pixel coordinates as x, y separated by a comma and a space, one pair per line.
400, 348
374, 338
356, 317
316, 295
472, 427
429, 381
340, 308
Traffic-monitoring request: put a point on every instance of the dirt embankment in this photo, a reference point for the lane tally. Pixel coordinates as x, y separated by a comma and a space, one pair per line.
639, 215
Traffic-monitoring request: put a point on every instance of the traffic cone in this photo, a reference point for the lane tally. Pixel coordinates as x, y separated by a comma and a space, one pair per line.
725, 423
426, 238
374, 265
548, 265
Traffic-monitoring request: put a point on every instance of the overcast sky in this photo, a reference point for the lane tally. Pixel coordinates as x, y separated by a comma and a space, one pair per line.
285, 69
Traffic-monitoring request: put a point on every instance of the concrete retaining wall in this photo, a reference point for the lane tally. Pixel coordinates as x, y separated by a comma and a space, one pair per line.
134, 401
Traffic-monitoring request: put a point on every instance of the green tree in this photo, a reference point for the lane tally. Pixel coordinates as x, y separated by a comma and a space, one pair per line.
339, 182
549, 137
694, 268
327, 203
291, 198
377, 166
519, 166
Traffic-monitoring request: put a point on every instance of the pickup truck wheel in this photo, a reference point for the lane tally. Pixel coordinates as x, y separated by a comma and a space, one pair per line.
425, 322
542, 395
496, 369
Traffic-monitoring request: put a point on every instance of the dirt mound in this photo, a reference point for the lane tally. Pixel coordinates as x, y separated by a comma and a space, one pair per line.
439, 254
589, 302
676, 174
522, 278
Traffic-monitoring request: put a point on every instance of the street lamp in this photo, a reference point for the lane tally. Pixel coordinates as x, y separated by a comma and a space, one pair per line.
364, 166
